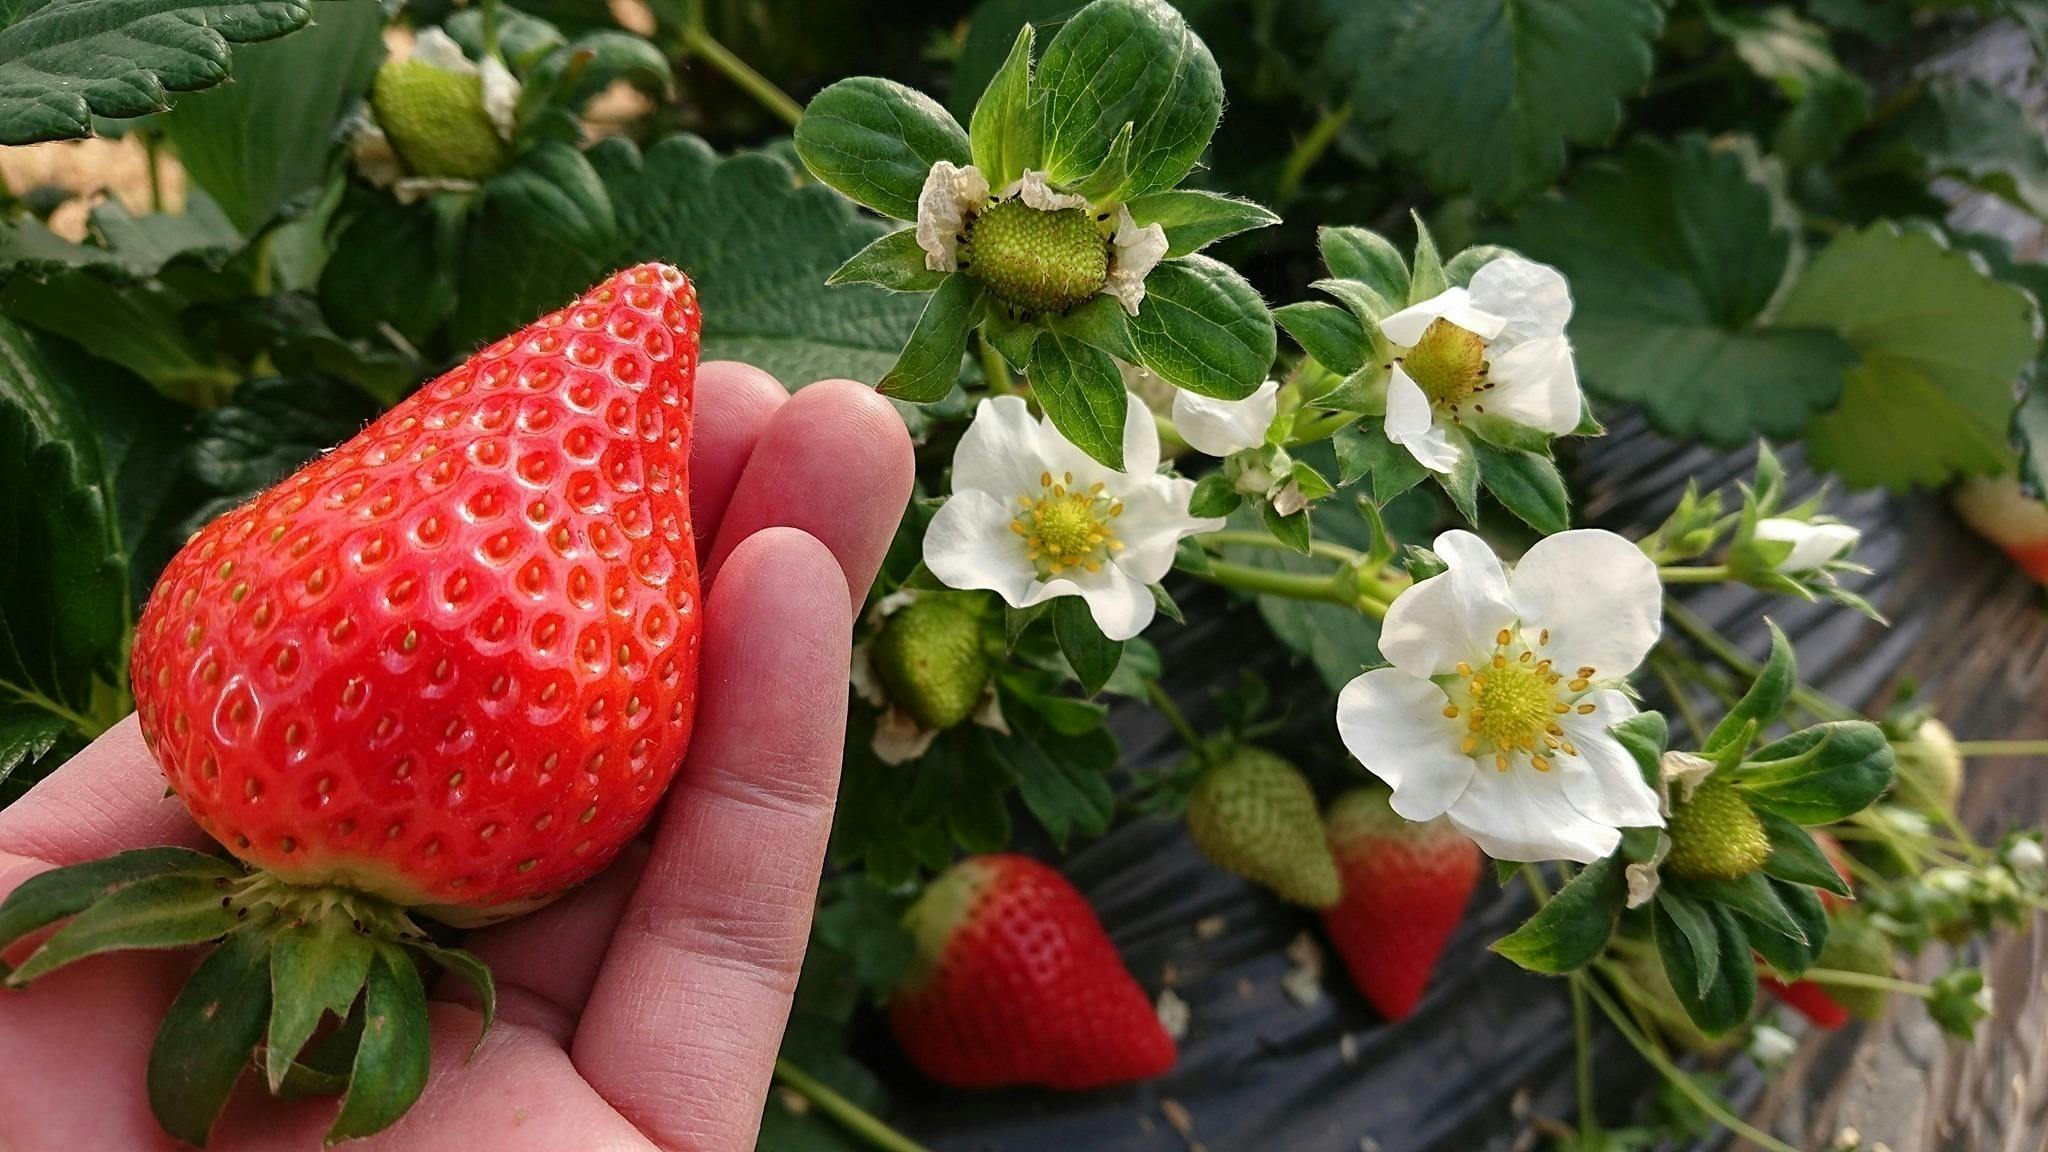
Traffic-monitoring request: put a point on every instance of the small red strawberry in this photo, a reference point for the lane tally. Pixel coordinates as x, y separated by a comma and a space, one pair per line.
1809, 1000
2004, 514
447, 668
1405, 889
1015, 982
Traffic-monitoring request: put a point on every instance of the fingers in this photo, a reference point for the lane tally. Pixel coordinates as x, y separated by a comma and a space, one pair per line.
681, 1031
835, 462
108, 797
735, 403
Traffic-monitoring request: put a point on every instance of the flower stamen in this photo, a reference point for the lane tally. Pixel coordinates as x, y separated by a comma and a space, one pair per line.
1065, 528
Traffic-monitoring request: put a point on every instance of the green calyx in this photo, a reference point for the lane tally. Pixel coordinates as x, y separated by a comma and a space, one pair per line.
1037, 261
1254, 814
320, 987
436, 121
1448, 363
1715, 835
932, 658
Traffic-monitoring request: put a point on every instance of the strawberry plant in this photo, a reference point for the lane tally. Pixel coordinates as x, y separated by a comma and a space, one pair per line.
348, 445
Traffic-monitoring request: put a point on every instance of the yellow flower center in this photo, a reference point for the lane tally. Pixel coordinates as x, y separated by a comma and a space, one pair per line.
1064, 527
1448, 364
1514, 700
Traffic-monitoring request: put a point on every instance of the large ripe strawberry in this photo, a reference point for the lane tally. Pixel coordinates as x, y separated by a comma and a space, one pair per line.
1405, 889
1015, 982
1254, 814
447, 668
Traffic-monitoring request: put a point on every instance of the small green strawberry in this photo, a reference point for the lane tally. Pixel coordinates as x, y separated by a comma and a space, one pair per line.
1253, 814
932, 657
1855, 945
1038, 261
436, 121
1928, 768
1714, 835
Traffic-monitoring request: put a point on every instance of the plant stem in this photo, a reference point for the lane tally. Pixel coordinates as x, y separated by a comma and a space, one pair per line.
1840, 978
1231, 539
1582, 1045
1969, 748
1308, 150
1722, 649
1694, 574
994, 370
490, 14
849, 1115
1708, 1102
1322, 428
1268, 582
1163, 701
706, 47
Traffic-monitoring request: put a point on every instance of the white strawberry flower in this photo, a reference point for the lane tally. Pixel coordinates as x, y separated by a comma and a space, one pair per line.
1814, 542
1032, 517
1225, 427
1496, 349
952, 195
1503, 687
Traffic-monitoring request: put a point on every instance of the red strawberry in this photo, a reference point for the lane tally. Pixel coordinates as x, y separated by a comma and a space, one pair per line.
1809, 1000
448, 667
2004, 514
1016, 983
1405, 889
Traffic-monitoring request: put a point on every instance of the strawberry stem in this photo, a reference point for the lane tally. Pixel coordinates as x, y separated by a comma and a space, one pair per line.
1582, 1047
1839, 978
849, 1115
705, 46
1174, 716
1693, 574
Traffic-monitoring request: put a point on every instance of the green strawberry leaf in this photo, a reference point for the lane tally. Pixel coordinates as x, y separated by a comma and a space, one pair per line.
1527, 484
1203, 327
543, 231
1083, 394
1004, 131
1942, 345
1062, 778
1529, 80
268, 140
26, 735
1761, 705
874, 141
1796, 857
393, 264
1968, 130
1330, 334
1571, 930
762, 286
573, 73
168, 910
392, 1061
316, 968
267, 430
1779, 46
123, 247
930, 362
48, 897
208, 1035
1132, 62
1359, 254
1194, 219
63, 62
1821, 774
894, 262
1674, 253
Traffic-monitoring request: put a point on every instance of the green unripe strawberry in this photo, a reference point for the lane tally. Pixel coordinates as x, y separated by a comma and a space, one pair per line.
1038, 261
932, 657
1254, 815
436, 121
1928, 768
1715, 836
1855, 945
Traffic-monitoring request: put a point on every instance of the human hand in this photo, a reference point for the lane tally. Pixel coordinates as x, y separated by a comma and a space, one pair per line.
642, 1010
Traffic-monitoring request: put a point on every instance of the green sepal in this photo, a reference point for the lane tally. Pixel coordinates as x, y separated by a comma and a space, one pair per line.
929, 365
1292, 531
1203, 327
1754, 900
474, 972
1214, 496
894, 262
208, 1036
1004, 131
1527, 484
1106, 184
396, 1050
1330, 334
1099, 321
1571, 930
1011, 335
1821, 774
1796, 857
1793, 953
1645, 736
1362, 299
1723, 1000
1426, 277
1691, 937
1352, 253
1083, 395
48, 897
316, 967
1461, 483
1194, 219
875, 141
1092, 655
1364, 450
1459, 269
1762, 704
169, 910
322, 1070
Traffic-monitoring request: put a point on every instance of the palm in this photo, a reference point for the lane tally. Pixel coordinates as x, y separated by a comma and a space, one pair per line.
641, 1011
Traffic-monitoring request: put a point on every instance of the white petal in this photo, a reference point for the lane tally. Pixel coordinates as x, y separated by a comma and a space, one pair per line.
1452, 616
866, 684
375, 159
1133, 253
1033, 189
1002, 452
1394, 724
1141, 438
1603, 781
414, 189
1813, 544
969, 544
899, 739
1534, 298
501, 97
1453, 304
1290, 499
1598, 596
1122, 607
1536, 385
950, 194
1522, 814
1154, 520
1221, 427
1411, 423
437, 49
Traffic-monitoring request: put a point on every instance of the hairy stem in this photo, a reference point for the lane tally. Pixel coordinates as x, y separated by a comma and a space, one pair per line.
706, 47
1724, 650
1308, 150
849, 1115
1987, 748
1841, 978
1694, 574
1268, 582
1164, 701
